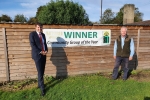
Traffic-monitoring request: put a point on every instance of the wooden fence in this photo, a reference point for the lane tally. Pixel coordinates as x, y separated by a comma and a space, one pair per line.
16, 62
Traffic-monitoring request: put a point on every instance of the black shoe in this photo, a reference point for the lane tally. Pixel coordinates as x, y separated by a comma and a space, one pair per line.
114, 78
42, 93
124, 79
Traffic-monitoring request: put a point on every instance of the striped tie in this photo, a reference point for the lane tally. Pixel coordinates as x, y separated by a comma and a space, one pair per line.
40, 36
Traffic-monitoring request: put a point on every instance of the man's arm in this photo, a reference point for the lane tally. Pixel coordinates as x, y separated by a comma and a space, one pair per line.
33, 44
115, 49
131, 49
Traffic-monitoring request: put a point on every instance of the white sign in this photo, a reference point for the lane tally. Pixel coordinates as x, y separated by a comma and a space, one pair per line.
70, 37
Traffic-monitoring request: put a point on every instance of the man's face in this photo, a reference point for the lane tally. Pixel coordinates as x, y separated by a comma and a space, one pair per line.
123, 32
39, 28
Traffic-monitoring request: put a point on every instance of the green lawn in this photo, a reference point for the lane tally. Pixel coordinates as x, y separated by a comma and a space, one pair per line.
85, 87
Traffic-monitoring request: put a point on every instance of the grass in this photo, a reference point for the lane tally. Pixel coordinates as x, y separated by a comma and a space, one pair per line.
85, 87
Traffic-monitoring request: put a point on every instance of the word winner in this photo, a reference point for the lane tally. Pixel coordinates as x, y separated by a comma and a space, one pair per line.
80, 34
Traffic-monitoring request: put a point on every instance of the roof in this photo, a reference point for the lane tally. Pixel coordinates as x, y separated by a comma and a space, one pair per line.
147, 22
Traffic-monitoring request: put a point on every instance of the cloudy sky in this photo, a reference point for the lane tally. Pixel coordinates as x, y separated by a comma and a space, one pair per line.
93, 7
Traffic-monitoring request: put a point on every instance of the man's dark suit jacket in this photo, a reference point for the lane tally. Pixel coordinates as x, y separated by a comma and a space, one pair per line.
36, 45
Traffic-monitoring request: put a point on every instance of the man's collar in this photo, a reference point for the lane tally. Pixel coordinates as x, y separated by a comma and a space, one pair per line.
38, 33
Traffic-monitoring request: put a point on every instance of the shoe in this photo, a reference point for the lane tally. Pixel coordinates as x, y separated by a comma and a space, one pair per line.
42, 93
124, 79
113, 78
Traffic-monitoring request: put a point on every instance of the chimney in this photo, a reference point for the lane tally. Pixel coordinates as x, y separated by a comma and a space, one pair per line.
128, 13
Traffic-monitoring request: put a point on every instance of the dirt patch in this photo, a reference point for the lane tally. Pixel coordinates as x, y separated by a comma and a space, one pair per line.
141, 76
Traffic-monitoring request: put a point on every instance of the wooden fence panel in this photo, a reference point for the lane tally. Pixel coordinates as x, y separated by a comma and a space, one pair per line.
144, 49
69, 60
21, 64
60, 61
2, 58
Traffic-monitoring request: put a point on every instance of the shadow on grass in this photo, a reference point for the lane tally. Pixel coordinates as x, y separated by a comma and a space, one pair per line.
146, 98
53, 82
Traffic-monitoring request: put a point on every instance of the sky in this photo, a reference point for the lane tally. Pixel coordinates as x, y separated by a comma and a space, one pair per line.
92, 7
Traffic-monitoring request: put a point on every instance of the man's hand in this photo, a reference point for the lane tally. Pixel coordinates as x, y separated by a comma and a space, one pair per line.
130, 58
114, 57
43, 52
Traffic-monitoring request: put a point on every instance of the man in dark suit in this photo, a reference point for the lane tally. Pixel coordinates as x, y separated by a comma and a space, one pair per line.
39, 50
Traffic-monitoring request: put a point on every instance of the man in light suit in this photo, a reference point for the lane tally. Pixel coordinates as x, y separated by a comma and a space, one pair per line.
39, 50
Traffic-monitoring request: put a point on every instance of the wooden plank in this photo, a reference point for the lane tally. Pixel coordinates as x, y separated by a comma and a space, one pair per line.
18, 44
144, 45
19, 30
1, 45
20, 56
144, 39
2, 60
1, 37
1, 42
21, 36
17, 33
26, 70
17, 63
2, 64
20, 59
19, 52
18, 41
18, 74
22, 77
3, 75
1, 52
0, 29
2, 68
144, 48
145, 31
19, 48
17, 67
2, 79
6, 55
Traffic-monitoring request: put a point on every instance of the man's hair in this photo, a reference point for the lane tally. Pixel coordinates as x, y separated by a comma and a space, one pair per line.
39, 24
123, 27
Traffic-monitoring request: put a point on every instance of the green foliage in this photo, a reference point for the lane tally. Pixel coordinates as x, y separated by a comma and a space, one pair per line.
5, 18
20, 18
119, 17
62, 12
108, 16
32, 20
138, 15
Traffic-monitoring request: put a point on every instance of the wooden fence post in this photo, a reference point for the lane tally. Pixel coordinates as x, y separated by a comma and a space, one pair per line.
6, 54
138, 41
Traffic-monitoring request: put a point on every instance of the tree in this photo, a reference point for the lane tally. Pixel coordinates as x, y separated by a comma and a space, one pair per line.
32, 20
20, 18
110, 18
107, 17
62, 12
5, 18
137, 15
119, 17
